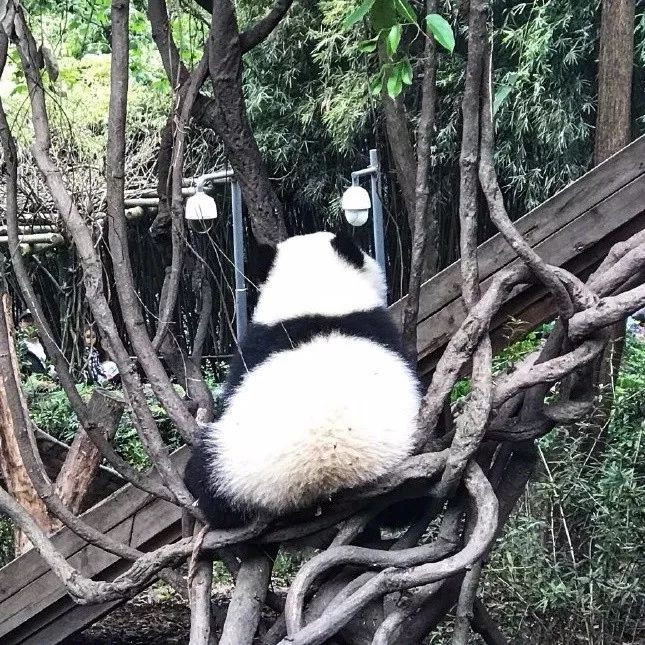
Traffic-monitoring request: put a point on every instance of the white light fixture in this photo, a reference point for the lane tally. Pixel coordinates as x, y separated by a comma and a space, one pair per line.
200, 207
356, 203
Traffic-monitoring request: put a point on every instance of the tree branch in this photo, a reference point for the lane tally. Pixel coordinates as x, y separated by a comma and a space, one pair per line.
391, 579
92, 268
250, 591
259, 31
420, 224
118, 232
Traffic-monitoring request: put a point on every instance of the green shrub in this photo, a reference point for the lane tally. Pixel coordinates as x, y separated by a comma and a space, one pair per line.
568, 567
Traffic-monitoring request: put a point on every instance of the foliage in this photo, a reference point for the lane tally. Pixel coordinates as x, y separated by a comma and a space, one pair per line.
388, 18
6, 540
570, 557
509, 356
51, 411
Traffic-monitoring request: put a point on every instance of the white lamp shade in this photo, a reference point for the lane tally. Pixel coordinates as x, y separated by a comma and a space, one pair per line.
200, 207
356, 203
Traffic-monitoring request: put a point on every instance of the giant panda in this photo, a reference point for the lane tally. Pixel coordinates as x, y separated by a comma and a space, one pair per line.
319, 398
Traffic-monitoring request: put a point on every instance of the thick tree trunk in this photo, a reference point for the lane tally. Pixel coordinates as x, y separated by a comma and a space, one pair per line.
228, 117
613, 132
83, 459
615, 63
14, 473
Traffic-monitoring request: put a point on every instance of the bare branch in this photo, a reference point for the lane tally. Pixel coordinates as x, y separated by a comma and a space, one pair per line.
607, 311
547, 372
464, 613
92, 268
200, 581
259, 31
422, 191
462, 345
490, 186
391, 579
117, 230
409, 604
248, 597
186, 100
484, 625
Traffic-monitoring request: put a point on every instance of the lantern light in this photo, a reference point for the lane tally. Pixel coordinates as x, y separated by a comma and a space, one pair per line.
200, 207
356, 203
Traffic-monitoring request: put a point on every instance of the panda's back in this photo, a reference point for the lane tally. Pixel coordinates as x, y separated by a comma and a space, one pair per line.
314, 407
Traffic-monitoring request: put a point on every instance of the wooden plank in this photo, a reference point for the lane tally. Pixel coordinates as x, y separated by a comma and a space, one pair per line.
104, 516
545, 220
532, 305
47, 589
35, 598
68, 621
434, 332
65, 617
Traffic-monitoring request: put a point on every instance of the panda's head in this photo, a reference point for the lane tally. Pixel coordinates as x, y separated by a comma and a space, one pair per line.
319, 274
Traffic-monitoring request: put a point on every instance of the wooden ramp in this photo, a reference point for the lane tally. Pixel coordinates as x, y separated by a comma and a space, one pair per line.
574, 229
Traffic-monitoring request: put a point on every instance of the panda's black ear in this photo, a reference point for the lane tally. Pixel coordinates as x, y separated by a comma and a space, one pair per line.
348, 250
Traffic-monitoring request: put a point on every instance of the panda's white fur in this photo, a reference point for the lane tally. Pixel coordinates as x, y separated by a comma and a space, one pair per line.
308, 277
332, 411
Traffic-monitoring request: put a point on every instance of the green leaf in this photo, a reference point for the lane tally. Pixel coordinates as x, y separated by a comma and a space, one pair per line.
376, 85
405, 10
406, 71
503, 91
394, 83
441, 30
394, 38
500, 96
383, 15
367, 46
358, 14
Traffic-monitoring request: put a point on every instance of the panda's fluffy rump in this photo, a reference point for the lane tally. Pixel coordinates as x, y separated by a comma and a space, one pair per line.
335, 412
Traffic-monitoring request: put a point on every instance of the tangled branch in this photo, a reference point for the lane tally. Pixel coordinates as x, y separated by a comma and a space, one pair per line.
472, 464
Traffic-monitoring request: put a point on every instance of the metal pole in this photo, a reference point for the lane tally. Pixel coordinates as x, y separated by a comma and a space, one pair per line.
377, 210
238, 260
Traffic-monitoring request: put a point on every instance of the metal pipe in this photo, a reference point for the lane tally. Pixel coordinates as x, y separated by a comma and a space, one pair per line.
370, 170
238, 260
373, 171
219, 176
377, 210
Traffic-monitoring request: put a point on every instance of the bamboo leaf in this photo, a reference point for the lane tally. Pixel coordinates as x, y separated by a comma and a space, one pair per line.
358, 14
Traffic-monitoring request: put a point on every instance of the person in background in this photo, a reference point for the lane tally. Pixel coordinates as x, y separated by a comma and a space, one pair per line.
97, 370
33, 353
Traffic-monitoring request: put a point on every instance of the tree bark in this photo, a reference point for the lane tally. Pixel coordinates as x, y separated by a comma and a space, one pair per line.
12, 467
229, 119
615, 63
613, 132
83, 459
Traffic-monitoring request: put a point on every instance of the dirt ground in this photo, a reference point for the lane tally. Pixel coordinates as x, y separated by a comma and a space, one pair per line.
139, 623
155, 616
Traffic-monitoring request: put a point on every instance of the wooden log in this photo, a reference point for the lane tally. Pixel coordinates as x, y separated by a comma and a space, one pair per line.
79, 469
24, 229
13, 413
55, 239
